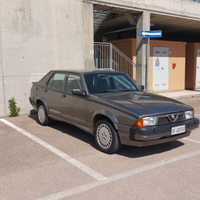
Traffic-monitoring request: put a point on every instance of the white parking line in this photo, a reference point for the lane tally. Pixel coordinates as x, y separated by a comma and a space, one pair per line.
197, 115
66, 157
191, 140
113, 178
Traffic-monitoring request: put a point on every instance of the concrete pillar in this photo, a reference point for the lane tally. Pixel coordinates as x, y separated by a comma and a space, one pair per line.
88, 36
143, 23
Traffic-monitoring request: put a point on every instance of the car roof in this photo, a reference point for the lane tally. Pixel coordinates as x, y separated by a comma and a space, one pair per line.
83, 71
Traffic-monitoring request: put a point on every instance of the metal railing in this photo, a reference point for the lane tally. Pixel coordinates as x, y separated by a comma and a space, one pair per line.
107, 56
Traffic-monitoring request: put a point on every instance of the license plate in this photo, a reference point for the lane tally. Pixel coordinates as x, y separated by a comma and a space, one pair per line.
177, 130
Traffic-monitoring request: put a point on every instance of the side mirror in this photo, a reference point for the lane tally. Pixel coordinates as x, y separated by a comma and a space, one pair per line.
141, 87
78, 92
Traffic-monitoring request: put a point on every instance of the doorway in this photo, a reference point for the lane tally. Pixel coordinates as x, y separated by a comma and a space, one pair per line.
198, 69
160, 68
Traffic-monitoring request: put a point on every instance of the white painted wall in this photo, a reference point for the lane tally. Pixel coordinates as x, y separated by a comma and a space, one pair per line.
35, 37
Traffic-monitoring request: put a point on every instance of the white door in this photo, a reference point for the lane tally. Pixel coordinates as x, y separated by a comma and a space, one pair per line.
160, 68
198, 69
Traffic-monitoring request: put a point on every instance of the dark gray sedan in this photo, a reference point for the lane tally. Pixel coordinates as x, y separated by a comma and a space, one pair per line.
110, 106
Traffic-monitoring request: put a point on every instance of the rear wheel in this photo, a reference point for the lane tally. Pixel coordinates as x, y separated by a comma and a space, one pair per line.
42, 116
106, 137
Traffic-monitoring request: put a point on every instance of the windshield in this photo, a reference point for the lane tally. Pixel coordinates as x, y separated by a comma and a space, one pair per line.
109, 82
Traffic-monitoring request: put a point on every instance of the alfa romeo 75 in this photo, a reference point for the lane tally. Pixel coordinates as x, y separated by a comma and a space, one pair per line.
110, 106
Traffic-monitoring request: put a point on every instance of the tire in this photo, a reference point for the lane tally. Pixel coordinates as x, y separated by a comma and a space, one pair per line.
42, 116
106, 137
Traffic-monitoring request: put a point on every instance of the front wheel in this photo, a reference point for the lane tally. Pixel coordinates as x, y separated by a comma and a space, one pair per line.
42, 116
106, 137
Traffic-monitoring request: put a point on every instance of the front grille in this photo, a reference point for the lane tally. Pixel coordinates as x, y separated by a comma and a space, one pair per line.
163, 119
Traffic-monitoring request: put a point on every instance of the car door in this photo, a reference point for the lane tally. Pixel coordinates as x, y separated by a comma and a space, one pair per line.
73, 107
53, 94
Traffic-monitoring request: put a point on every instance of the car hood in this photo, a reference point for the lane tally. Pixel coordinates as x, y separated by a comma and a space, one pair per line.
144, 103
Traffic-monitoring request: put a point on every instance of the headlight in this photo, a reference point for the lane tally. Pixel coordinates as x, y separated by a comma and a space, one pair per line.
146, 121
189, 114
150, 121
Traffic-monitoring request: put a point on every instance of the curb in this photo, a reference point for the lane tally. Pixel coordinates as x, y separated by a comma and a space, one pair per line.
175, 96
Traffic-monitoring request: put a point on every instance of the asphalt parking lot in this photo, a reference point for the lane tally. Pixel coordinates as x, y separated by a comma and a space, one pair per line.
61, 162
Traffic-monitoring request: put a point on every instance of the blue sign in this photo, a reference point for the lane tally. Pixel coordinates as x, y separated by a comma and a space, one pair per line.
150, 34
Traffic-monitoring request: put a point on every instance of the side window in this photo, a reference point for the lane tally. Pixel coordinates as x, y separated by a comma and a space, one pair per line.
73, 82
49, 84
56, 81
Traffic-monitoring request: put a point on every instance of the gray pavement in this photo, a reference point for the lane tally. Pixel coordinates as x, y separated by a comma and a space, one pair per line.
61, 162
181, 93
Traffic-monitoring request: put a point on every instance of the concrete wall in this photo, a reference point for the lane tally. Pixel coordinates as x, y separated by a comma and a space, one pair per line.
181, 8
191, 63
177, 55
2, 103
37, 36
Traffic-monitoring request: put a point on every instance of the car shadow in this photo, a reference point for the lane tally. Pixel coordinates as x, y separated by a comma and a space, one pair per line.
127, 151
69, 129
135, 152
74, 132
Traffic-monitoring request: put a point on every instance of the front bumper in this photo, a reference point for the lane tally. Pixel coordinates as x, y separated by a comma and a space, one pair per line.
147, 136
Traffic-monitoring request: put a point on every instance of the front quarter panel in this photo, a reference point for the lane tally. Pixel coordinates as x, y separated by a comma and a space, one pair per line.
107, 114
116, 114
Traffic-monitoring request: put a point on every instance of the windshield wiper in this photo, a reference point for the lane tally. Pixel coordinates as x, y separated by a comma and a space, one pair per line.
104, 91
126, 90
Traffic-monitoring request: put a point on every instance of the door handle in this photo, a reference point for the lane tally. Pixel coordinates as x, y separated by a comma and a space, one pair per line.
64, 95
